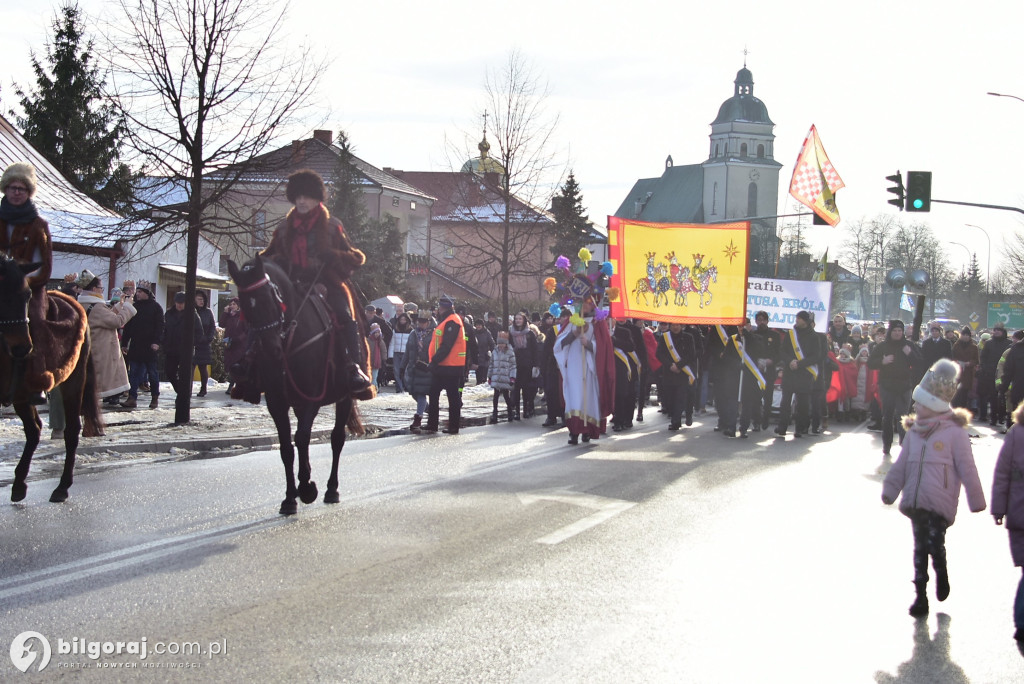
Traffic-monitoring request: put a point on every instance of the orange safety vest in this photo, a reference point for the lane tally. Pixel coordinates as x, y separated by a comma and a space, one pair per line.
457, 356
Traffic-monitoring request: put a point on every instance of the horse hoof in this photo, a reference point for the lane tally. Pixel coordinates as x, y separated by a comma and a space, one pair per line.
308, 492
18, 491
332, 497
289, 507
60, 495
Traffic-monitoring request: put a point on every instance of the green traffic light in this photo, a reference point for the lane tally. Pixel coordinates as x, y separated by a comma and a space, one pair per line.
918, 204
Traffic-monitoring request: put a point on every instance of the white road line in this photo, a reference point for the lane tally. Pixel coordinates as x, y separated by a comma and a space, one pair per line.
606, 509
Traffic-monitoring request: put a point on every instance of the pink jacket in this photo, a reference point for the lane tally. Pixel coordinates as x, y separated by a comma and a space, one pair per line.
935, 461
1008, 486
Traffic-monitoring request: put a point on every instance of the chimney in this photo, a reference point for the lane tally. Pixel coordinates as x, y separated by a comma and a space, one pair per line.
326, 137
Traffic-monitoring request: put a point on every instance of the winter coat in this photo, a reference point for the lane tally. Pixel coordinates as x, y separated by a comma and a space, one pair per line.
866, 389
936, 459
1013, 371
903, 372
236, 338
104, 321
378, 349
1008, 487
967, 357
174, 324
527, 355
848, 372
417, 375
801, 379
484, 346
144, 330
932, 350
501, 374
203, 354
28, 240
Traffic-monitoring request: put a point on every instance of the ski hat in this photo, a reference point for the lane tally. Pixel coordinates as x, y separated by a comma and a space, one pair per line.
857, 330
938, 386
896, 323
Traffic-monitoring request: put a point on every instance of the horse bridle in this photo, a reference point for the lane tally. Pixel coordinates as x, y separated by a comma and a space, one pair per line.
275, 294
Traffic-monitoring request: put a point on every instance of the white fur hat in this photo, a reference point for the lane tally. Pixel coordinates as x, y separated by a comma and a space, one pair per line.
938, 386
22, 171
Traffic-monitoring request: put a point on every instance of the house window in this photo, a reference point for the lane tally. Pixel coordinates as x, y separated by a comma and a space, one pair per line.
394, 201
412, 206
449, 252
743, 150
259, 230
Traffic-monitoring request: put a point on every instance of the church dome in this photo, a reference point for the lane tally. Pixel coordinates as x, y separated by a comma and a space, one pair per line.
484, 163
743, 106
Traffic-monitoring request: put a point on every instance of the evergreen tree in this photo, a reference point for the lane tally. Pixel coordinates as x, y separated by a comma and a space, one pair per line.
968, 292
68, 118
380, 240
572, 226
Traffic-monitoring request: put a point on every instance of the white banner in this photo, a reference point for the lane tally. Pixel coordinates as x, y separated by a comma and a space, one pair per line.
783, 299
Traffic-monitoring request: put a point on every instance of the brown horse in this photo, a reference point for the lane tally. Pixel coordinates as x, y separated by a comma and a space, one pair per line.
76, 377
294, 350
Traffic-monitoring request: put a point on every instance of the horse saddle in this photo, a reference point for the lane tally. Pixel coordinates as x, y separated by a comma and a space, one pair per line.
57, 337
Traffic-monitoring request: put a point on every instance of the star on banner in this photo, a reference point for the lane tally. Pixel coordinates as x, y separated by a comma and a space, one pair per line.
731, 251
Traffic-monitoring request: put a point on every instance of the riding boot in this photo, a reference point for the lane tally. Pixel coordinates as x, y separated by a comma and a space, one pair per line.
919, 608
416, 423
355, 351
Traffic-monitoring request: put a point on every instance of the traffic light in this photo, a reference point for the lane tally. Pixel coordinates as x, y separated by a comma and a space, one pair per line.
897, 189
919, 190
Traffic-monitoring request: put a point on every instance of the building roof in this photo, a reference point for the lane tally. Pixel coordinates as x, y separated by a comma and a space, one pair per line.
743, 106
463, 197
677, 196
74, 217
321, 156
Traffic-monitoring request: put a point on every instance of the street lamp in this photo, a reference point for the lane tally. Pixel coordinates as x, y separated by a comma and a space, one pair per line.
970, 254
1005, 95
988, 274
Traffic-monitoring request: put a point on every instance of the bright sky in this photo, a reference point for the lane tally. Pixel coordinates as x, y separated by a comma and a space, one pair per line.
890, 85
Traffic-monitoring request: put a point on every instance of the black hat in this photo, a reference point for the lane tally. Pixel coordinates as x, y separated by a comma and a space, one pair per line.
966, 330
896, 323
446, 303
179, 297
805, 315
305, 183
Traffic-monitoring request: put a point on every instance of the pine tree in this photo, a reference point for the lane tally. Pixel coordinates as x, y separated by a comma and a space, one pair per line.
572, 226
68, 118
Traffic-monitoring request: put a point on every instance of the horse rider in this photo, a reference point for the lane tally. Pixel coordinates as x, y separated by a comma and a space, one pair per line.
25, 237
312, 247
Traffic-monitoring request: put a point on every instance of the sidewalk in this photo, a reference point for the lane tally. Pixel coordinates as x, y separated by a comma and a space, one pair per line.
218, 425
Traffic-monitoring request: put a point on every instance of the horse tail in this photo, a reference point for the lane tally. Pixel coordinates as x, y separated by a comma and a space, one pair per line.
92, 417
355, 420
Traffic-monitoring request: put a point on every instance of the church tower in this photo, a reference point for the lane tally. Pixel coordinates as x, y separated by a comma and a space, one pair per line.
741, 176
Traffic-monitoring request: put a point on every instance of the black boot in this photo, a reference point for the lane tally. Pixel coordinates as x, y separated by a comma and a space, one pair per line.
416, 422
494, 417
941, 578
919, 608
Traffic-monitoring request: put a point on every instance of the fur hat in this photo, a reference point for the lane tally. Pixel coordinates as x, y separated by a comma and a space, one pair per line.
86, 280
22, 171
938, 386
305, 183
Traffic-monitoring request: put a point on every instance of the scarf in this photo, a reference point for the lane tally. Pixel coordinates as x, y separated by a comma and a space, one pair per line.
519, 336
299, 228
421, 338
17, 215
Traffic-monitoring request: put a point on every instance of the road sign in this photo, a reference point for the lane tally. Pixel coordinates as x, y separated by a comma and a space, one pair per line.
1010, 313
974, 325
974, 316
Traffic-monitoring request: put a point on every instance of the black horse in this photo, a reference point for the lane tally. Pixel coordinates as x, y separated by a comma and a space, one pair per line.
77, 377
294, 359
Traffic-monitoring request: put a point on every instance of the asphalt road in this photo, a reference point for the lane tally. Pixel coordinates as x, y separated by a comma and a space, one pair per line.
505, 555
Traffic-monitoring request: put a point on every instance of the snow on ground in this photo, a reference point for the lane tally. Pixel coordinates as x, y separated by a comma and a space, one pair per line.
219, 425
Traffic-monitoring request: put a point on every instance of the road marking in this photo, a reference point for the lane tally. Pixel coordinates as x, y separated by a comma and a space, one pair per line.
606, 509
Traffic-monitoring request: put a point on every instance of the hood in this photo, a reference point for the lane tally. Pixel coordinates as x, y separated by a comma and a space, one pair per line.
960, 417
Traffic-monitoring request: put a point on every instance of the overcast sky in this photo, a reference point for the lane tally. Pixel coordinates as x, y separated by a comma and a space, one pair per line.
890, 85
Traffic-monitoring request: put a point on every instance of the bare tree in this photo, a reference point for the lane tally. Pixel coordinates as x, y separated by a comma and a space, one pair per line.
1011, 275
204, 85
505, 198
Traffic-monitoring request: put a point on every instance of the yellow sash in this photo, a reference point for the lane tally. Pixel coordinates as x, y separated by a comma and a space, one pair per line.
621, 356
749, 362
812, 369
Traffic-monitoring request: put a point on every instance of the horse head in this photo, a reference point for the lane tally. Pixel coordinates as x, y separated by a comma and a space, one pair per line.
14, 297
261, 302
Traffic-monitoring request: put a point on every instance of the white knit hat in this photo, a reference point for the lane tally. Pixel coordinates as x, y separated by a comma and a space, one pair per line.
938, 386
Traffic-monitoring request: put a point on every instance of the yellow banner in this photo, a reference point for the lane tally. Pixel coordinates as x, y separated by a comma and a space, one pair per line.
679, 272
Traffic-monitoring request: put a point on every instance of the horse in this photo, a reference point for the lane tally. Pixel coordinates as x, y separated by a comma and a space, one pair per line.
76, 377
706, 278
293, 351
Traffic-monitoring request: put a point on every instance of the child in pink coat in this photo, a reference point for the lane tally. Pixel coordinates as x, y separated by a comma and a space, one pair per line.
935, 460
1008, 505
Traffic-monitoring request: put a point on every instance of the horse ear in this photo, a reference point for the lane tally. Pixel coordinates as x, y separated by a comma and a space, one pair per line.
28, 268
232, 269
